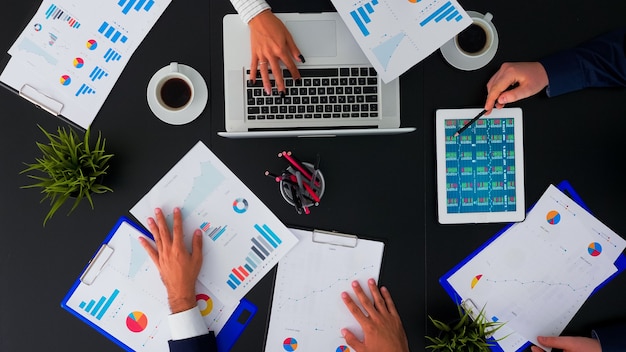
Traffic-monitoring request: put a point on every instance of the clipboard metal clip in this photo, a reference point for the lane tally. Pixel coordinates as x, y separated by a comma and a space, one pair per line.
96, 264
334, 238
41, 100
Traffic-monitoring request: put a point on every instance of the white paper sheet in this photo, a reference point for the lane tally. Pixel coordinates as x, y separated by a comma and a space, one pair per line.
75, 51
243, 239
538, 274
396, 35
307, 310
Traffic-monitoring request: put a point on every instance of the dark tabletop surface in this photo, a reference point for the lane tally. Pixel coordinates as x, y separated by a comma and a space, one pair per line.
381, 187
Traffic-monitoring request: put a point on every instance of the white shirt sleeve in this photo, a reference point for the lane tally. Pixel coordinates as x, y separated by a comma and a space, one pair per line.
247, 9
187, 324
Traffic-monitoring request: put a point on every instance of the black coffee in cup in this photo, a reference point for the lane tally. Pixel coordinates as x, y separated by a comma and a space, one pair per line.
472, 39
175, 93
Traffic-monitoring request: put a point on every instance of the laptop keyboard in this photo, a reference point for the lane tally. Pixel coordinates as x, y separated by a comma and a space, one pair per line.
321, 93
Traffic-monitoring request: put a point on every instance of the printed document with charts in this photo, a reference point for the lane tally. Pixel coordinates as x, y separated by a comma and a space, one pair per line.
71, 53
397, 34
538, 273
242, 239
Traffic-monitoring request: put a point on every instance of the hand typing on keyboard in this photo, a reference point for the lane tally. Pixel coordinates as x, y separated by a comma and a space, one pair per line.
271, 43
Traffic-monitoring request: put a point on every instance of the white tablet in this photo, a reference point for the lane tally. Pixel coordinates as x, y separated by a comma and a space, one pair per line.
480, 172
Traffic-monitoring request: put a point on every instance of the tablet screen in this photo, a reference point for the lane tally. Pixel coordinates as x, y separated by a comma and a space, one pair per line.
480, 171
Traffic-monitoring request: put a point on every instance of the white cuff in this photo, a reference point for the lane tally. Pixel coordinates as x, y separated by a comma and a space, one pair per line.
187, 324
247, 9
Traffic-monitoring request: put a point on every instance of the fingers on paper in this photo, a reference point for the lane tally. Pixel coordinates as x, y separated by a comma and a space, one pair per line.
379, 301
357, 313
351, 339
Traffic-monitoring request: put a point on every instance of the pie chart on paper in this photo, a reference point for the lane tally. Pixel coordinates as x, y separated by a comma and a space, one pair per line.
290, 344
136, 321
595, 249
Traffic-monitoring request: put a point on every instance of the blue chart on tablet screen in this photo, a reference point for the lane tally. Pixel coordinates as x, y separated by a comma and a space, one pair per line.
480, 166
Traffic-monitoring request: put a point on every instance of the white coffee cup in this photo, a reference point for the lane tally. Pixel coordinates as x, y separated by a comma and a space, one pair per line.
174, 90
479, 38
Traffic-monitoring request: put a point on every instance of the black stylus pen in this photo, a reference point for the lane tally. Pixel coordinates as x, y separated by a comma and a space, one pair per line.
469, 123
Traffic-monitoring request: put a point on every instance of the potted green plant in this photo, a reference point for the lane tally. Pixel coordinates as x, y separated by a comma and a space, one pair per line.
465, 334
70, 167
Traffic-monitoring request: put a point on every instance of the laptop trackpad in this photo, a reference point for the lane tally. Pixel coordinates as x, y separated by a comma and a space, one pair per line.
314, 38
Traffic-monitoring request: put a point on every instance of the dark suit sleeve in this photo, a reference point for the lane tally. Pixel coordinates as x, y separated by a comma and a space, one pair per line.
202, 343
600, 62
612, 338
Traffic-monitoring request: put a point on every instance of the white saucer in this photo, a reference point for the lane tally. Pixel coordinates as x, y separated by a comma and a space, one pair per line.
201, 96
466, 63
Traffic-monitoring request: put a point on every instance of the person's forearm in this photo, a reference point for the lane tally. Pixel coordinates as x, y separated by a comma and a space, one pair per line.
247, 9
600, 62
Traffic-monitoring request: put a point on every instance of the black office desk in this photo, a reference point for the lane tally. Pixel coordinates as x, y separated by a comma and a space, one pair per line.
381, 187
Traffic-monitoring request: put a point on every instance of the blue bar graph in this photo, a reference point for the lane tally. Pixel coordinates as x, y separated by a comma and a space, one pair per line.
446, 11
361, 16
85, 89
127, 5
112, 33
97, 73
99, 309
112, 55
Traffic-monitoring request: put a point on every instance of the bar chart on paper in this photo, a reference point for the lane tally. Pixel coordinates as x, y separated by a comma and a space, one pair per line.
395, 35
242, 239
135, 5
56, 13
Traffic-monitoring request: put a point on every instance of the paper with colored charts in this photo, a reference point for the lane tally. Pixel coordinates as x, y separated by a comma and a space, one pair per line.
397, 34
74, 51
243, 239
127, 300
539, 272
307, 310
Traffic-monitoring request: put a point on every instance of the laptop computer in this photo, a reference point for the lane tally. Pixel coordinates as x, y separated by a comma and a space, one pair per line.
334, 61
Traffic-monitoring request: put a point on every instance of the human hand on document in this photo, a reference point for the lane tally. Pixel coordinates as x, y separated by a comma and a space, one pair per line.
381, 324
271, 43
179, 269
568, 343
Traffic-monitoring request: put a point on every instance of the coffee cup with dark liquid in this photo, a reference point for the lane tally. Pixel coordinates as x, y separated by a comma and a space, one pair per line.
174, 91
475, 40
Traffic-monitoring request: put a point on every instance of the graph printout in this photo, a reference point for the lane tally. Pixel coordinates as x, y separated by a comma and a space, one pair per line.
397, 34
243, 239
128, 301
539, 272
74, 51
307, 311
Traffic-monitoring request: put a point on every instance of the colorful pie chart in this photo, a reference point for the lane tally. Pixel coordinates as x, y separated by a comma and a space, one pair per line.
553, 217
205, 300
343, 348
290, 344
136, 321
594, 249
92, 44
65, 80
79, 62
475, 280
240, 205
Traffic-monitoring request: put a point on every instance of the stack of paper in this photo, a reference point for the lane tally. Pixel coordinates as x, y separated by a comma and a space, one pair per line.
72, 52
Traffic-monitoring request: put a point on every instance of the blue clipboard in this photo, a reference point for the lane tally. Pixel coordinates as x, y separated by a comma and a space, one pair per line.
227, 336
567, 188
